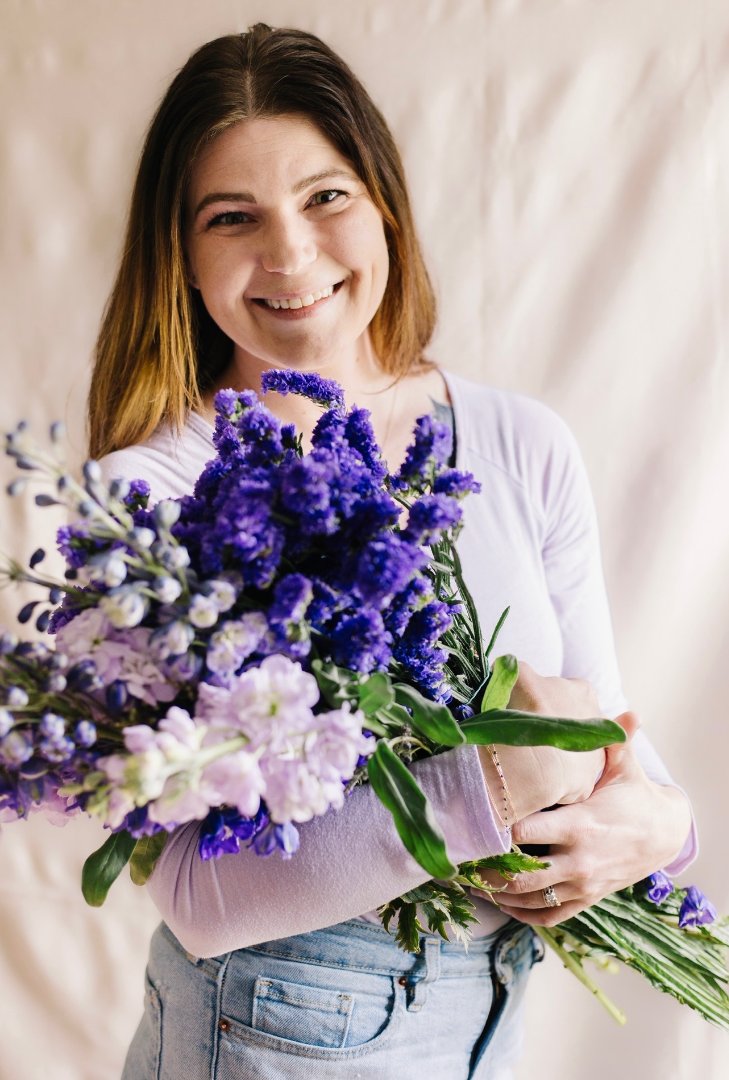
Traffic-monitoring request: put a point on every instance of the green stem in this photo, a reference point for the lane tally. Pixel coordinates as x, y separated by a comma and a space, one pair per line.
549, 938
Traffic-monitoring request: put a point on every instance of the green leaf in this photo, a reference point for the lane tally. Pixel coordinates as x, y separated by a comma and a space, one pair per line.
336, 684
429, 718
144, 857
497, 629
398, 790
512, 862
504, 674
509, 727
104, 866
375, 693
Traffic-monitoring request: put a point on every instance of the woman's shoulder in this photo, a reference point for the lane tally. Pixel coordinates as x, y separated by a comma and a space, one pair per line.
170, 461
515, 432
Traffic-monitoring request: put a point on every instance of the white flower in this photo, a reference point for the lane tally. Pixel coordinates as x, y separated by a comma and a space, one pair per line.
223, 593
124, 607
174, 639
203, 611
167, 589
234, 642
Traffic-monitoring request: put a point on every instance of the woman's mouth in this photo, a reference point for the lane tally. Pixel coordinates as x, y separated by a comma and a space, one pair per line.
298, 306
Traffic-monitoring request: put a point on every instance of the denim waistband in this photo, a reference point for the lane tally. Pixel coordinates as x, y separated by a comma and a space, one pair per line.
362, 946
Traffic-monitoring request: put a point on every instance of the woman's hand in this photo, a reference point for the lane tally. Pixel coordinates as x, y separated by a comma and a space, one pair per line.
541, 776
627, 829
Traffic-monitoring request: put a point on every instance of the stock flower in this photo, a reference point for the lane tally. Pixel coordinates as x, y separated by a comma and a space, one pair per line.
696, 909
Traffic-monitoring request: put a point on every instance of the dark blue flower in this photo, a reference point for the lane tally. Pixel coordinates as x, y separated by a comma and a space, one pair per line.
696, 909
223, 831
657, 887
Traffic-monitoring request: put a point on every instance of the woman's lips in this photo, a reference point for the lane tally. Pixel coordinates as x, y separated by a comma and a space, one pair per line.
308, 304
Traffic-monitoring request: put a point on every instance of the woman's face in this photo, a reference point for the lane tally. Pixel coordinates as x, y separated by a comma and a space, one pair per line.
285, 245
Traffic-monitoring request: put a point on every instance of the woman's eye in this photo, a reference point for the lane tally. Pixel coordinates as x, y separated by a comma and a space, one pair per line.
322, 198
229, 217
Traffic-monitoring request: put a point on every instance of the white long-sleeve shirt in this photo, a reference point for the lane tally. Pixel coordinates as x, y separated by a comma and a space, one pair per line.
529, 542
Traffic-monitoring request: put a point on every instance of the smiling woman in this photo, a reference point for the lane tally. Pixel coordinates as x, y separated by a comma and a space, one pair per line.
270, 227
261, 251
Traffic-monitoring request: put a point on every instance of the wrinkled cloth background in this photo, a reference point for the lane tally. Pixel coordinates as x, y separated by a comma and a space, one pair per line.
569, 163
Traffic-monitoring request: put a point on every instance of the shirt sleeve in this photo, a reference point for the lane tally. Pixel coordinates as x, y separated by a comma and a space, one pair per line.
349, 862
573, 569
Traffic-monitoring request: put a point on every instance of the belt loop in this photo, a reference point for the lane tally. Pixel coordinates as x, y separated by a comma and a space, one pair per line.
418, 989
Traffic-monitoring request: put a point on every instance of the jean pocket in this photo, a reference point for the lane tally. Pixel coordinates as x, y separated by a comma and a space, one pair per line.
302, 1014
145, 1051
281, 1009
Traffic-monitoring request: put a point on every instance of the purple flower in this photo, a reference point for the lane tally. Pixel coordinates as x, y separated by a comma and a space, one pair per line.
696, 909
431, 516
431, 447
223, 830
386, 566
285, 838
308, 384
658, 886
455, 483
361, 642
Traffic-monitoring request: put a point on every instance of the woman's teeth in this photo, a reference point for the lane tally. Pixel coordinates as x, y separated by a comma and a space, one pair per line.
300, 301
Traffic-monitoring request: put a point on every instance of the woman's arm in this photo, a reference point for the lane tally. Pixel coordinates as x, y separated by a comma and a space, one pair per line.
350, 861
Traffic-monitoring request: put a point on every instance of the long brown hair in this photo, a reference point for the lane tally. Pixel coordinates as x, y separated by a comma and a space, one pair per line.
158, 349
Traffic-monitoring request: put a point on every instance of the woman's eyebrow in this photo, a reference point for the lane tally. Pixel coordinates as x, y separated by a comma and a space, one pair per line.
248, 197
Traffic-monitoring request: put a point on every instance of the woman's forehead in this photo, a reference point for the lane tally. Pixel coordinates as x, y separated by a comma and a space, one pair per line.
275, 148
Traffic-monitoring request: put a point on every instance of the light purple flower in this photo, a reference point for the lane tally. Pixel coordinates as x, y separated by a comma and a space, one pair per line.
696, 909
658, 887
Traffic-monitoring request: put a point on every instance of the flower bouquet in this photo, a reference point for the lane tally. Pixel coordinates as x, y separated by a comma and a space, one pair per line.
245, 655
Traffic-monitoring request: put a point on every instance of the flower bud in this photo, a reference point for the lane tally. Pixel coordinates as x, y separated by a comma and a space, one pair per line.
166, 513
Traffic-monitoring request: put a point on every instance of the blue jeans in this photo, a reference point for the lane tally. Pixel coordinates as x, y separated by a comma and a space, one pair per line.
333, 1004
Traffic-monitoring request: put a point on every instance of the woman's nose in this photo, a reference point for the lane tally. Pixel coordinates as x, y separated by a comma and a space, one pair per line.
288, 246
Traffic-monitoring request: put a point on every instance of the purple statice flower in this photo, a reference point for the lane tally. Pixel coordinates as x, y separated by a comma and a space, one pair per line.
417, 650
74, 543
361, 642
307, 384
657, 887
430, 516
361, 437
137, 496
224, 829
431, 447
230, 403
385, 567
308, 491
414, 596
291, 597
696, 909
455, 483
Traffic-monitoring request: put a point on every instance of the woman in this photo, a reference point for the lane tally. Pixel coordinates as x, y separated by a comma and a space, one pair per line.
269, 227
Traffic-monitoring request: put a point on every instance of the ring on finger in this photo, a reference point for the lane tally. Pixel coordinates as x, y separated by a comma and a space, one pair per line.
550, 897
